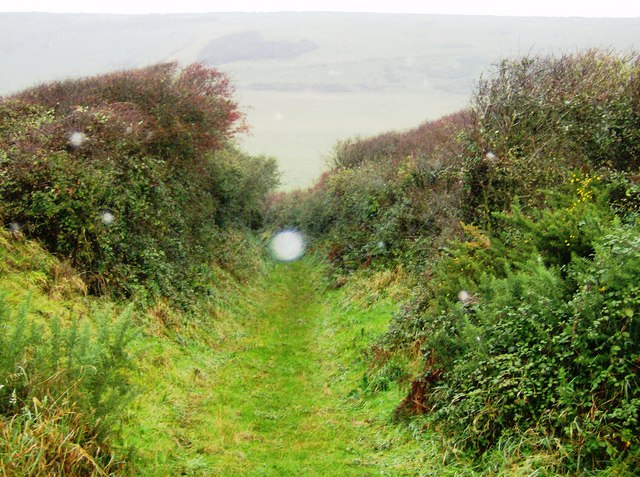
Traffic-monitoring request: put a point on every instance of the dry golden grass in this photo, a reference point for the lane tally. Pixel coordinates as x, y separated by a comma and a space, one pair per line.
53, 440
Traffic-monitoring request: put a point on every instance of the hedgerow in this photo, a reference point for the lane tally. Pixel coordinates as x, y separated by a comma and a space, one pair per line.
518, 221
539, 118
132, 175
387, 199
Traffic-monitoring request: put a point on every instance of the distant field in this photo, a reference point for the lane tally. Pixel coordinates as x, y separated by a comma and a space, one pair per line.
305, 80
304, 127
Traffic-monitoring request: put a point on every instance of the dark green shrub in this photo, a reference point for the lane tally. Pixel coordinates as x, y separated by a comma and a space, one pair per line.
545, 359
238, 185
131, 175
537, 117
533, 332
571, 223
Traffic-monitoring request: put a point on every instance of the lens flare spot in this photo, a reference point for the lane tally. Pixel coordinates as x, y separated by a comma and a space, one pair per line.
77, 139
464, 297
107, 217
287, 246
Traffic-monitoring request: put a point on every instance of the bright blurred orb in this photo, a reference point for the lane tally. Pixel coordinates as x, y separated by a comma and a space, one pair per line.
77, 139
464, 297
287, 246
107, 217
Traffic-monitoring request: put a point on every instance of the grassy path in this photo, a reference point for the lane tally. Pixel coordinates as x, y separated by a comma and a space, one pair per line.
275, 411
278, 394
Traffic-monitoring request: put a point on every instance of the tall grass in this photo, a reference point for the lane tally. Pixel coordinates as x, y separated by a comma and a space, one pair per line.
63, 387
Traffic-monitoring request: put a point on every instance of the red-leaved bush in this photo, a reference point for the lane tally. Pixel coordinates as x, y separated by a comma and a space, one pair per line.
151, 149
174, 114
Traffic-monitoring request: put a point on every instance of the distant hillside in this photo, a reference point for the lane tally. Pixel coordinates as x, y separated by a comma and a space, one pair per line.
305, 80
251, 46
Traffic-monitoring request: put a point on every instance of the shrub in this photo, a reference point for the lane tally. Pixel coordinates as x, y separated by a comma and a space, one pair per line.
387, 199
535, 357
130, 175
532, 332
537, 117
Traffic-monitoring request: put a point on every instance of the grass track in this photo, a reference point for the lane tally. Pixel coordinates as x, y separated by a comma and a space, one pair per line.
278, 396
274, 408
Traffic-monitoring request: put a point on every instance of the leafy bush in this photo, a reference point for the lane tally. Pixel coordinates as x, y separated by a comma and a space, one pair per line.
533, 332
130, 175
386, 200
534, 356
539, 117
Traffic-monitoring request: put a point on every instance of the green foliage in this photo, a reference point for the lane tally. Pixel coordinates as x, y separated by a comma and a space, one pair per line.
570, 224
539, 117
63, 388
239, 185
546, 359
533, 332
131, 175
387, 200
516, 222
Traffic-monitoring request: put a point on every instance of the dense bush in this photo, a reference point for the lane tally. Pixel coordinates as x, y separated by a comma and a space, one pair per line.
131, 175
387, 199
533, 123
537, 118
536, 355
532, 333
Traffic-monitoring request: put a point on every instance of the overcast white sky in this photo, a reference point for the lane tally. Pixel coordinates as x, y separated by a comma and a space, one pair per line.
584, 8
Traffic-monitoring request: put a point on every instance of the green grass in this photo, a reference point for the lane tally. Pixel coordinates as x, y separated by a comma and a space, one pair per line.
278, 394
270, 384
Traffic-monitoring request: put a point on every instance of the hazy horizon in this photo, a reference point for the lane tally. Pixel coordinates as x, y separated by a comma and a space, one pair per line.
304, 80
541, 8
